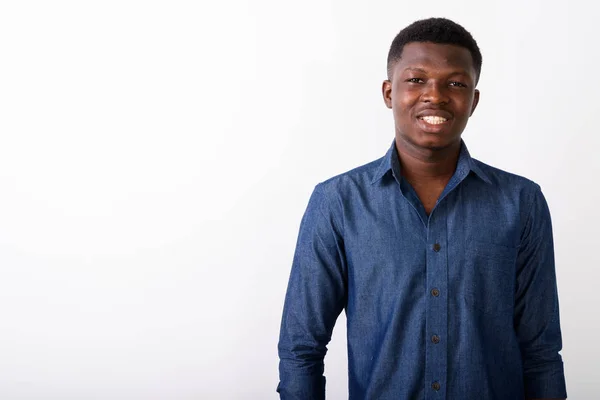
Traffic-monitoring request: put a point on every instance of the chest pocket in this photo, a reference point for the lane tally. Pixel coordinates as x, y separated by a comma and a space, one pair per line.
489, 279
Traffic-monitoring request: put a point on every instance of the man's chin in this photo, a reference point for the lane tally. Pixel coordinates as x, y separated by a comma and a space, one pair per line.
428, 142
436, 143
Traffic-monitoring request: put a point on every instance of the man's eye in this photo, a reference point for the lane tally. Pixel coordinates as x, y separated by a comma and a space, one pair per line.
414, 80
458, 84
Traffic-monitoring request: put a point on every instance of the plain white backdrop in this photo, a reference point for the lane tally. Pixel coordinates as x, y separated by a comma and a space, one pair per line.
156, 158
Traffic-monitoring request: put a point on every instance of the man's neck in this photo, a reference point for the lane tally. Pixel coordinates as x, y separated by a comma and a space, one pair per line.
425, 165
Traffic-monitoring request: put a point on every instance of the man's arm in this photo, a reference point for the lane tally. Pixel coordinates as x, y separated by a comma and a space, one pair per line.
536, 320
315, 297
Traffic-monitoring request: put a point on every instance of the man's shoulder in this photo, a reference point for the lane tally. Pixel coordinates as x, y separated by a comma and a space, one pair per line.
357, 177
363, 176
504, 179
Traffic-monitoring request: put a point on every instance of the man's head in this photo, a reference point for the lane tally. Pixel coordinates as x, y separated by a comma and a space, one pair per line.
433, 69
434, 30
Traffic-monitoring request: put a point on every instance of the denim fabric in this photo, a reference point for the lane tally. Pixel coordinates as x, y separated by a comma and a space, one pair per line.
461, 304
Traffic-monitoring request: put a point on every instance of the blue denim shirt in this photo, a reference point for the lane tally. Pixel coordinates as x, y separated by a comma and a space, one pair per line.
461, 304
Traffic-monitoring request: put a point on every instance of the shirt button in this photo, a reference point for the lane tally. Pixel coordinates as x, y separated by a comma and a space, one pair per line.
435, 292
436, 386
435, 339
436, 247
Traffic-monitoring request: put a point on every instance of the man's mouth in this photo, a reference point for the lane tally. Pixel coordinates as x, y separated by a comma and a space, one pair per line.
433, 120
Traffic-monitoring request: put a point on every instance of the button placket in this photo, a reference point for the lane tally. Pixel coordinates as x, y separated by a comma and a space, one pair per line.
436, 362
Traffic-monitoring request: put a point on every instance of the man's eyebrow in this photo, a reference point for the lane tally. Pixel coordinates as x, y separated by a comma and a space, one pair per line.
455, 72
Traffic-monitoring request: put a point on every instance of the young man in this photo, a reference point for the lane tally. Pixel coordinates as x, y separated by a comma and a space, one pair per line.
443, 265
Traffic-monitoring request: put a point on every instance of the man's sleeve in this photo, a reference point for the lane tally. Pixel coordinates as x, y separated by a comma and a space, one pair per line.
537, 321
315, 297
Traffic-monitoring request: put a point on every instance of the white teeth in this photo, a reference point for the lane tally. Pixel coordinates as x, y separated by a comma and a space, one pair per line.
434, 120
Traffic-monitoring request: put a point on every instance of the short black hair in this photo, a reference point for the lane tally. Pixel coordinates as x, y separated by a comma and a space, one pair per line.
434, 30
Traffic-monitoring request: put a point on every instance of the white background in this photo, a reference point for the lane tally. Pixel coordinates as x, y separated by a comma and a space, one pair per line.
156, 159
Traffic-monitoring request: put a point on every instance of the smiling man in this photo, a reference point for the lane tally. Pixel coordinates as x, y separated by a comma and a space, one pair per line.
443, 264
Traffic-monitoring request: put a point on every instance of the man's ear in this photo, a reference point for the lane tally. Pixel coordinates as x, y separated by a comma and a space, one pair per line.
386, 91
475, 101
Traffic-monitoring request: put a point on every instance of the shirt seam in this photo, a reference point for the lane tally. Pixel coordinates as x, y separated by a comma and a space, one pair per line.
536, 188
326, 203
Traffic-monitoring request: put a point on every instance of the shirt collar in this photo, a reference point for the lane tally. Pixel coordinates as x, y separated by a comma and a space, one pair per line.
465, 162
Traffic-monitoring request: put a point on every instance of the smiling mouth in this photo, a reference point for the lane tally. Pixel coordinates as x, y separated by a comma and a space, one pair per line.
433, 120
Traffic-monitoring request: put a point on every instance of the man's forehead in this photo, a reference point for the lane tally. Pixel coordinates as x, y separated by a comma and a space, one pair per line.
424, 55
427, 51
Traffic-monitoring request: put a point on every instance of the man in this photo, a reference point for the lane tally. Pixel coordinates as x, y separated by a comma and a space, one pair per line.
443, 265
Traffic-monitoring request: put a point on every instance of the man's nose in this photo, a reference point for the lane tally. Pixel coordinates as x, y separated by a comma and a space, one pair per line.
435, 92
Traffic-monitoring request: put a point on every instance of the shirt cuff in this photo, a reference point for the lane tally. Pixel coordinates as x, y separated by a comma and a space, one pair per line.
548, 384
302, 388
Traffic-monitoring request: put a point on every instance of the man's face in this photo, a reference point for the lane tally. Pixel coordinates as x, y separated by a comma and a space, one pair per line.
432, 94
